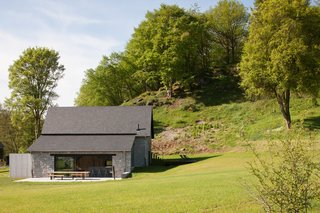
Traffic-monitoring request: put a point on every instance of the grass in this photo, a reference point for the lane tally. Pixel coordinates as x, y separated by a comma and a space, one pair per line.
220, 113
232, 123
213, 184
210, 185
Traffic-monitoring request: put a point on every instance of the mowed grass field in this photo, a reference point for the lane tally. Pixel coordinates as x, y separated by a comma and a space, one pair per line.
213, 184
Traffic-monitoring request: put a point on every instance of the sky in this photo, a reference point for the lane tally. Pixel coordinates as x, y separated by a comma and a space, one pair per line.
82, 31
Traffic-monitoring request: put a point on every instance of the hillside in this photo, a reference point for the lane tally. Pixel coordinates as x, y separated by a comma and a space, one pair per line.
218, 118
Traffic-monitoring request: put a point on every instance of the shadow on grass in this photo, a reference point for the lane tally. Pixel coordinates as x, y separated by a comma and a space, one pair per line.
162, 168
312, 123
220, 90
152, 169
158, 127
4, 171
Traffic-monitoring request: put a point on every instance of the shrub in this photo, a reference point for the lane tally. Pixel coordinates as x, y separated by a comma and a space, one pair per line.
287, 178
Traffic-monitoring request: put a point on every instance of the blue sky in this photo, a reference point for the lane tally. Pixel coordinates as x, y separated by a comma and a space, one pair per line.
80, 30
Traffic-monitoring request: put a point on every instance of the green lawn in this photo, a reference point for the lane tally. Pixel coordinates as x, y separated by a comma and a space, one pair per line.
210, 185
213, 184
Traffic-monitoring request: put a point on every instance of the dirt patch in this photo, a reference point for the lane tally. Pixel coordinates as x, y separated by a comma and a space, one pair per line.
195, 139
177, 103
178, 141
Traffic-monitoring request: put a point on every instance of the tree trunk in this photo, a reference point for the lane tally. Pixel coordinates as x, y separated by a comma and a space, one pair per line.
233, 52
169, 90
228, 54
37, 126
284, 104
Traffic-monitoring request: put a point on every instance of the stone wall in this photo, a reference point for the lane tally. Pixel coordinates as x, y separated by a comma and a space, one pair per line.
122, 163
42, 164
141, 152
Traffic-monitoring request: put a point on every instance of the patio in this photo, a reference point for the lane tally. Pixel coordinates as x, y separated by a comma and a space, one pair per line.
58, 180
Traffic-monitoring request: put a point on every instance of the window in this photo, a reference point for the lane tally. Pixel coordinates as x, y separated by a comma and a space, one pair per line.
109, 162
64, 163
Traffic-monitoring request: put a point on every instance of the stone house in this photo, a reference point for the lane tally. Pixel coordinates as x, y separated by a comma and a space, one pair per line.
95, 139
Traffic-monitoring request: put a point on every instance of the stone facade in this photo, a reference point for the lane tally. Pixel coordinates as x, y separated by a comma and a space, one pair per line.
141, 152
122, 163
42, 164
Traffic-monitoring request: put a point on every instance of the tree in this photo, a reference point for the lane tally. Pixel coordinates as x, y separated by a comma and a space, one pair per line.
32, 79
287, 177
110, 83
165, 48
8, 134
228, 28
281, 54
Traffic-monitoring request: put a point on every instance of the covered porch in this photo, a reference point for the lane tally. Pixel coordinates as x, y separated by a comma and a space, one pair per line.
98, 165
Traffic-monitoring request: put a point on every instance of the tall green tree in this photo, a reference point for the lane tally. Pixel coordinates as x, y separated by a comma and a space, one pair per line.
165, 47
282, 53
228, 27
32, 79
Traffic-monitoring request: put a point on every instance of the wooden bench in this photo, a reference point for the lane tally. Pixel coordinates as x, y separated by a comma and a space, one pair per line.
73, 175
55, 175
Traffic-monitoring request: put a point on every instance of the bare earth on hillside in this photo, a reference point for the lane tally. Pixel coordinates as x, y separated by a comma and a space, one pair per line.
178, 141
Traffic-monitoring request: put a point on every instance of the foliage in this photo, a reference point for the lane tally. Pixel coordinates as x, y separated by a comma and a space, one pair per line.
9, 136
168, 45
228, 28
171, 46
288, 179
282, 52
154, 98
32, 79
111, 83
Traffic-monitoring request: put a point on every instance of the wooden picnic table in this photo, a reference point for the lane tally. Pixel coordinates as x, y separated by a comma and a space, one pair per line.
73, 174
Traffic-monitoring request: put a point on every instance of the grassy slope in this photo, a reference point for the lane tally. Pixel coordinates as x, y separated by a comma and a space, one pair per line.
210, 185
236, 122
227, 119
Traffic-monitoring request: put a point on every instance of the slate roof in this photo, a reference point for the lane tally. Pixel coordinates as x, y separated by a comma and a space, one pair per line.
93, 128
90, 143
99, 120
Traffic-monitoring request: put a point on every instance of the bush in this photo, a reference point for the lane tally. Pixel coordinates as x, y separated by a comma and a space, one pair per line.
288, 177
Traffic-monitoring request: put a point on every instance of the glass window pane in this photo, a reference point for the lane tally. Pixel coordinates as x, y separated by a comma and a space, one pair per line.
64, 163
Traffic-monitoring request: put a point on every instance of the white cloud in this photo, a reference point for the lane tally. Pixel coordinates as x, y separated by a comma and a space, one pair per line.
62, 14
